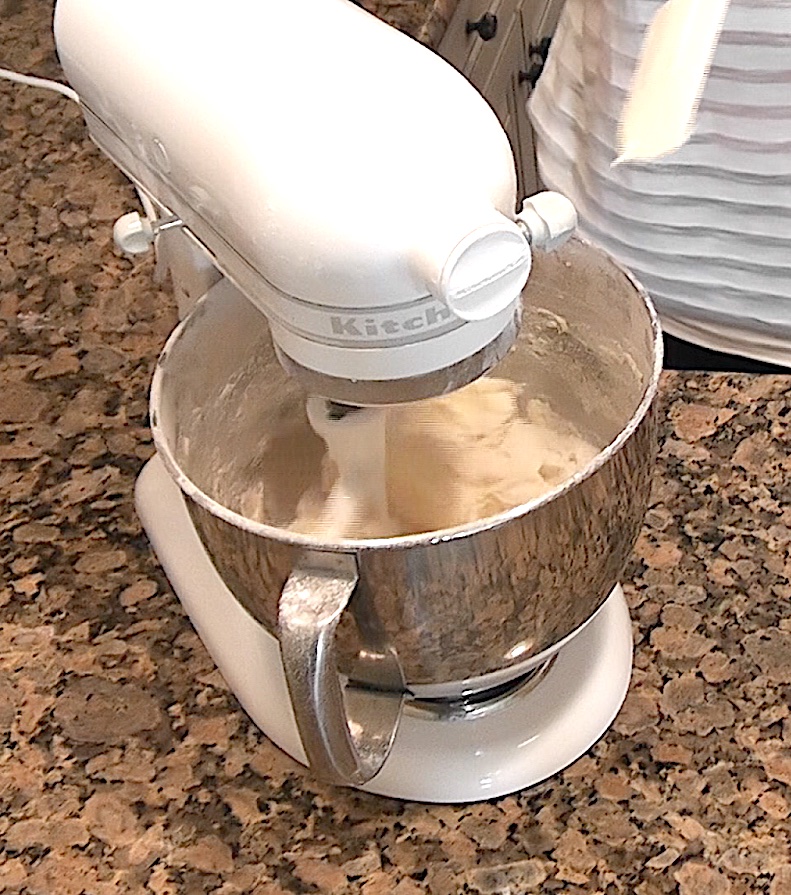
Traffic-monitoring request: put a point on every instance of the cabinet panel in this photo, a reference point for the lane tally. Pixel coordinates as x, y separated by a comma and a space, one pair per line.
459, 47
542, 19
494, 78
486, 56
527, 150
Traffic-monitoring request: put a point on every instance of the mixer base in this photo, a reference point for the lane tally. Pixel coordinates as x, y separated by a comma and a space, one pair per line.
537, 732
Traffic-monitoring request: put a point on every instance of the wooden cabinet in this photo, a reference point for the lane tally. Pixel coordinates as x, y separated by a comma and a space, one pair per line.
505, 66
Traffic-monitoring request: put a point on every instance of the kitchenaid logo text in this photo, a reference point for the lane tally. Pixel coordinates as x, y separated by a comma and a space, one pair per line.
372, 327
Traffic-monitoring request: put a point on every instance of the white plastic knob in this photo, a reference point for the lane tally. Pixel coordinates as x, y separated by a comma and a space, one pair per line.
133, 233
549, 219
486, 271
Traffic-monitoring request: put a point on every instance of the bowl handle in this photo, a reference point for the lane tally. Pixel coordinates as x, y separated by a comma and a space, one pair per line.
341, 747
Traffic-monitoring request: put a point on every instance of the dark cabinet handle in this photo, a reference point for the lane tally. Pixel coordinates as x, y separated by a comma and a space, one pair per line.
486, 26
538, 57
532, 75
541, 48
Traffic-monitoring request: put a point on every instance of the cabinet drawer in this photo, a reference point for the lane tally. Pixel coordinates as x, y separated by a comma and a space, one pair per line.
467, 51
540, 18
496, 78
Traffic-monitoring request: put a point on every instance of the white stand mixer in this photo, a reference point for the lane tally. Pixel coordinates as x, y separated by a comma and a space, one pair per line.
361, 194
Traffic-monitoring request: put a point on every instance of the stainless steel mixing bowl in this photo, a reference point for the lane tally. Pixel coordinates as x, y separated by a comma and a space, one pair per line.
436, 614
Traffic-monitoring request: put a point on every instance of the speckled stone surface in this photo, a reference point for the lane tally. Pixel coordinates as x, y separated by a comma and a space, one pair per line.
425, 20
126, 765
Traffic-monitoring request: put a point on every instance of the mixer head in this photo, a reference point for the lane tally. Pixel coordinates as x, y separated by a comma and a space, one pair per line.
370, 214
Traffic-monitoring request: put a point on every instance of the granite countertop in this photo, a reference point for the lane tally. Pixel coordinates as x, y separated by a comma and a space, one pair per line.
425, 20
126, 765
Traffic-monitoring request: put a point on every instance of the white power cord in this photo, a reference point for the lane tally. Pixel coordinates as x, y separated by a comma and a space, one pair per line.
40, 82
